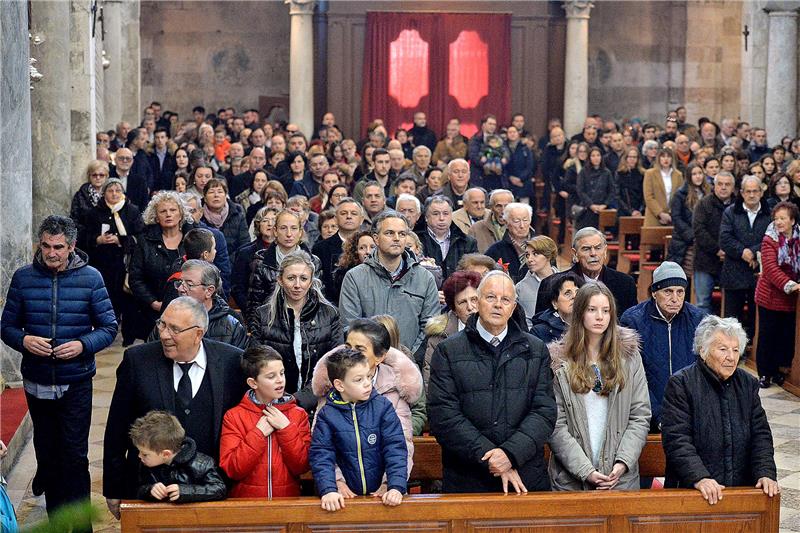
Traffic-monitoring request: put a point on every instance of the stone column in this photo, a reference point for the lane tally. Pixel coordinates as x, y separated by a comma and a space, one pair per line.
781, 101
754, 62
131, 63
576, 68
50, 110
15, 156
112, 42
82, 64
301, 65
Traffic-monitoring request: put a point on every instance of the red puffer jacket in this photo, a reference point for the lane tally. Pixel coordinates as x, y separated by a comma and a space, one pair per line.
769, 289
264, 467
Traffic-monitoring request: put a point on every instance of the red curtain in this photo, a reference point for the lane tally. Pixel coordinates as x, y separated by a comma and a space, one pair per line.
445, 64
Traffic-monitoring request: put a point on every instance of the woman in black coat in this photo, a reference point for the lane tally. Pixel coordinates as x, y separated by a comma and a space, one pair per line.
521, 166
155, 254
224, 215
630, 193
595, 190
682, 204
112, 228
88, 196
714, 430
298, 294
266, 263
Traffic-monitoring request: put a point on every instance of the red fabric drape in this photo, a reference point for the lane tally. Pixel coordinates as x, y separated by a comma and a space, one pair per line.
445, 64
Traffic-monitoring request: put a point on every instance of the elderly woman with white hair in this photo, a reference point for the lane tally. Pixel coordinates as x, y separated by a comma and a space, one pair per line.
511, 250
714, 430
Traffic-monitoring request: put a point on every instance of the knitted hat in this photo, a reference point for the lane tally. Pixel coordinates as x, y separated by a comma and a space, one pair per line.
112, 181
668, 274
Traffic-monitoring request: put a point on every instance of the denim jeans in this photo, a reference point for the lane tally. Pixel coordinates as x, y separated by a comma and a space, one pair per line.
703, 287
61, 443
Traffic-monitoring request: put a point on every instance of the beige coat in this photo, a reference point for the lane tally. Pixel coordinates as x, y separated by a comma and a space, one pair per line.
484, 232
626, 427
655, 195
462, 220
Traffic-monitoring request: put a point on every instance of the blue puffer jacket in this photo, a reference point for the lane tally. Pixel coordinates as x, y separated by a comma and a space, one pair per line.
666, 346
69, 305
364, 439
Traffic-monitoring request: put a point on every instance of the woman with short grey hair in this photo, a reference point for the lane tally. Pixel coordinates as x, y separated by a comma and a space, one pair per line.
714, 430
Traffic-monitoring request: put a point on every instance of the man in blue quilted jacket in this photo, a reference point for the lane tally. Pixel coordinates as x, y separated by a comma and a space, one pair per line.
58, 315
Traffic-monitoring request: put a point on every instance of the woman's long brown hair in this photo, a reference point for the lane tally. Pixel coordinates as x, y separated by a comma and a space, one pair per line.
576, 345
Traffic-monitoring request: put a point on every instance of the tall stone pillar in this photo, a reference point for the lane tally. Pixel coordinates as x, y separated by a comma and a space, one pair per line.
576, 68
15, 156
781, 101
82, 65
130, 50
112, 42
301, 65
50, 110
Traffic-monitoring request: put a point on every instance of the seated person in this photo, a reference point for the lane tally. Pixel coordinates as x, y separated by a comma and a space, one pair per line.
265, 439
172, 468
359, 430
714, 430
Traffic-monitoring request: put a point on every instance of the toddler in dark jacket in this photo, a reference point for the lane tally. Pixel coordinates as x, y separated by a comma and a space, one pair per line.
172, 468
357, 429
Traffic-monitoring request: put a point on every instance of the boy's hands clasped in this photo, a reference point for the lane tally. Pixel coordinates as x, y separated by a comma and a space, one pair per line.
272, 419
161, 491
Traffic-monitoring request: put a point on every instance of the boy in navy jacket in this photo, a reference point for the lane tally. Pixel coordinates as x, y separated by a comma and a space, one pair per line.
358, 430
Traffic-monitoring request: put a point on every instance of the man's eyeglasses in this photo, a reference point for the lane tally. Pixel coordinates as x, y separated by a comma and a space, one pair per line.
124, 158
161, 326
188, 284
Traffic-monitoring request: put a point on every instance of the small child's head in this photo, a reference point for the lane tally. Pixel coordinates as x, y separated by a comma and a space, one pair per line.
494, 141
349, 373
158, 436
263, 367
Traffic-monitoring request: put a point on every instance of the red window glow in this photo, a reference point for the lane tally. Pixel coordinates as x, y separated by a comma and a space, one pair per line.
408, 68
469, 69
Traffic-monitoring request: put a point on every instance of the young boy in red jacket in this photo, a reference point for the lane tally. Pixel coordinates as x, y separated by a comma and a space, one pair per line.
265, 439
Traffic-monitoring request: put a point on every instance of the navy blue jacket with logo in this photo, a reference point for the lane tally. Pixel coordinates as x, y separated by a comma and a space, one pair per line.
64, 306
365, 439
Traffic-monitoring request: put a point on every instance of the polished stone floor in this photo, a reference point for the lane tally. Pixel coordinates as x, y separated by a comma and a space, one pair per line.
783, 411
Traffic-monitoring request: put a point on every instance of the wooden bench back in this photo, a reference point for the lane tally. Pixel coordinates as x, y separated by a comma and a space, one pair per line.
654, 511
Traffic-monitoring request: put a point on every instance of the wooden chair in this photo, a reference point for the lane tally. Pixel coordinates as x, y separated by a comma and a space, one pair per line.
608, 222
651, 238
628, 227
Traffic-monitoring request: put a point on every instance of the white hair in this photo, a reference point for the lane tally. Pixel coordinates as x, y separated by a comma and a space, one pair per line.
421, 148
723, 174
712, 324
588, 231
459, 160
749, 178
493, 274
198, 310
496, 192
517, 205
405, 196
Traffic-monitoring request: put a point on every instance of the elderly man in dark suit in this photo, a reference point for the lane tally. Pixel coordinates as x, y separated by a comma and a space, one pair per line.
195, 379
590, 250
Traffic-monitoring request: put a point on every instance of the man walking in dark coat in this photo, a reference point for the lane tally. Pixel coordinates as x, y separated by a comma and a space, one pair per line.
490, 399
58, 315
195, 379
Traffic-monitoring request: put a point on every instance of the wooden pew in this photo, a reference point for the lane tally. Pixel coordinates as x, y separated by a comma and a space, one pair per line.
628, 226
428, 459
657, 511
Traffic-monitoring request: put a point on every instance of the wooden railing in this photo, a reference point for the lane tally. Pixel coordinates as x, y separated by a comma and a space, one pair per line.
428, 459
655, 511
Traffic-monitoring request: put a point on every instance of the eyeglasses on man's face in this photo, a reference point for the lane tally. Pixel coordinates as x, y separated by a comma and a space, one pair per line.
174, 331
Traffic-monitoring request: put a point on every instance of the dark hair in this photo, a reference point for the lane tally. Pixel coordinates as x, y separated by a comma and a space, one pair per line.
325, 216
215, 182
291, 156
379, 151
457, 282
342, 360
560, 280
437, 199
199, 109
59, 225
255, 358
431, 171
376, 332
161, 129
794, 212
197, 241
157, 431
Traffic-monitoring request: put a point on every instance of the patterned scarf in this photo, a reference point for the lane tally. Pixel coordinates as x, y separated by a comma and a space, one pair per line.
216, 219
789, 251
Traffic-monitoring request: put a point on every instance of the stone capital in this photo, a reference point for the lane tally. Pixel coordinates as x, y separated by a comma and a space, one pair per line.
785, 8
578, 9
301, 7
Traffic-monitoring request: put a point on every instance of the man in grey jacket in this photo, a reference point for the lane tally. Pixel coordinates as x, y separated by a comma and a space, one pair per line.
391, 281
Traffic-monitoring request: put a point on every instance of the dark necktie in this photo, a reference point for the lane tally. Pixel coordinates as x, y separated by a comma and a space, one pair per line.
184, 394
495, 342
